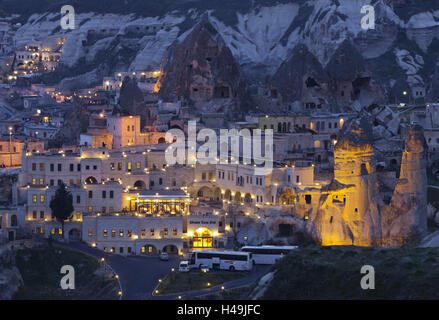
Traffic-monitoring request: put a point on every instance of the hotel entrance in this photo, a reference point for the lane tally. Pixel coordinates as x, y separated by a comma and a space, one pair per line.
202, 238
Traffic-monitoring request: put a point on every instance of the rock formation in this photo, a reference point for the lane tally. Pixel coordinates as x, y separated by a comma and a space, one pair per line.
351, 209
348, 212
202, 68
131, 97
301, 78
350, 80
406, 214
433, 92
344, 82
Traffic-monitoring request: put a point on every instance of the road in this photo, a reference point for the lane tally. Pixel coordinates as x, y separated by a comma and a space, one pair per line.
257, 272
139, 276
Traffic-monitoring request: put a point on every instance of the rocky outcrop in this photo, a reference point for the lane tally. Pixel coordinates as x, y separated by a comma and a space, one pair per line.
348, 212
301, 78
351, 82
433, 89
343, 84
352, 210
406, 215
10, 277
201, 68
131, 97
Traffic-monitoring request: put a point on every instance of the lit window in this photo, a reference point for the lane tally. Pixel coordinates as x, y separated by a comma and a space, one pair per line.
41, 181
143, 232
129, 233
90, 232
121, 232
34, 198
113, 233
174, 231
165, 231
34, 181
105, 232
42, 198
152, 232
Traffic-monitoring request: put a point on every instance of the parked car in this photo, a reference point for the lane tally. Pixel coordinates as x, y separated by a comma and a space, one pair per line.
184, 266
164, 256
204, 268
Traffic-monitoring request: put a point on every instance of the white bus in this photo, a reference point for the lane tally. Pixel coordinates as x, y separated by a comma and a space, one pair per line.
224, 260
267, 254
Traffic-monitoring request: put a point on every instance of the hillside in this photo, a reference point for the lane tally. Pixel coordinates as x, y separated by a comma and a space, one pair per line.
134, 35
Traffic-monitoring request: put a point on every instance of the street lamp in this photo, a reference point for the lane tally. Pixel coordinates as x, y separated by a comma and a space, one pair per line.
10, 142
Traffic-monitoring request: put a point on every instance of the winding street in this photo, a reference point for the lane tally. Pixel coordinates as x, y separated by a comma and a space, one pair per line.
139, 276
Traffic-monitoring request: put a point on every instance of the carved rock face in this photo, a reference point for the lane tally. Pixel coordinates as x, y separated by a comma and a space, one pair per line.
355, 137
201, 68
345, 79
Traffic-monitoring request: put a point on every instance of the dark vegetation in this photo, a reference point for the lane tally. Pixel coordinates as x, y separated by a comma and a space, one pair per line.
334, 273
40, 268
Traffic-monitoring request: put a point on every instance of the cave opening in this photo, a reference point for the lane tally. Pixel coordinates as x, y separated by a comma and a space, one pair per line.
222, 92
360, 83
310, 83
285, 230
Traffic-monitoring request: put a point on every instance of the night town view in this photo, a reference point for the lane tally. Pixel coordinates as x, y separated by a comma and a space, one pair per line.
207, 151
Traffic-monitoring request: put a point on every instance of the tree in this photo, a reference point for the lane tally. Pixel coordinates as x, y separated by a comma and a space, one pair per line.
62, 205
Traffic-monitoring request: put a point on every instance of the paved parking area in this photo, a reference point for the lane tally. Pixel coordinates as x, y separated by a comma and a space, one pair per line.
139, 275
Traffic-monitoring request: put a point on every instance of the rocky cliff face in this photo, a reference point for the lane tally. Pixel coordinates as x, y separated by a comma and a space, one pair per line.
407, 213
260, 35
131, 97
201, 68
10, 277
345, 84
348, 213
